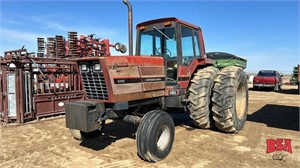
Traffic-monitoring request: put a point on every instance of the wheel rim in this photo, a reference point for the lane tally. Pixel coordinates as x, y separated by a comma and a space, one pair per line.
75, 133
240, 101
163, 137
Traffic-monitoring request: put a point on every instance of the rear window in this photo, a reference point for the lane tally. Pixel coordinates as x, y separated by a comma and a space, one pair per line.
266, 73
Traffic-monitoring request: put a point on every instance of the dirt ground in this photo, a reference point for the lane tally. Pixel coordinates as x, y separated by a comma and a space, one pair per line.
271, 116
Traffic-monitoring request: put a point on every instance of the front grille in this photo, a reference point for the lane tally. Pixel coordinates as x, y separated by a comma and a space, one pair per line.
94, 83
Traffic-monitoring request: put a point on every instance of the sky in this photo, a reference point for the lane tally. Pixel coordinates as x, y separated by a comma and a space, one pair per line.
266, 33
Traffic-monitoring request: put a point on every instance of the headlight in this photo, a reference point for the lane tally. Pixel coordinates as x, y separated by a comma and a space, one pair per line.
83, 67
120, 47
97, 67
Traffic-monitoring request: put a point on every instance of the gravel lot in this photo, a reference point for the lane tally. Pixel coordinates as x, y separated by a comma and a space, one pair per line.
271, 116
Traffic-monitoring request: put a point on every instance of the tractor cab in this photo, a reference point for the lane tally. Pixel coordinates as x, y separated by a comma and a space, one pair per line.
178, 42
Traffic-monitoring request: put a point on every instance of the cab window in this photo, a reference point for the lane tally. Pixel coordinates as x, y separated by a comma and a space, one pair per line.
196, 43
159, 42
190, 44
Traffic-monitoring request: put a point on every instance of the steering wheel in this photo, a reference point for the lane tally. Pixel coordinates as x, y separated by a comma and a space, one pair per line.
171, 79
165, 55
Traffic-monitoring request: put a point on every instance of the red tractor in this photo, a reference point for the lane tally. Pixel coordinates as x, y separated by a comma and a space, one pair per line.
169, 72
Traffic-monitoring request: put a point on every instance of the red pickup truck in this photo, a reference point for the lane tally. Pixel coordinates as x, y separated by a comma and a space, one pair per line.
267, 79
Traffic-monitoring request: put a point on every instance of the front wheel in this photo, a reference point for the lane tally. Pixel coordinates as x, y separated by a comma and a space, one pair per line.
155, 136
230, 99
277, 88
81, 136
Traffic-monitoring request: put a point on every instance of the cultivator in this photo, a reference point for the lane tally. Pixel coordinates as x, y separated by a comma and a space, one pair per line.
41, 47
73, 44
74, 47
33, 86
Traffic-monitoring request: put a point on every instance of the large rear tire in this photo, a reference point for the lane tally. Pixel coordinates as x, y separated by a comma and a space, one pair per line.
155, 136
230, 99
200, 92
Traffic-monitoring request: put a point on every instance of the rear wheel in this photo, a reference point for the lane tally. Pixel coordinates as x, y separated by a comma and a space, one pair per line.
155, 136
199, 97
230, 99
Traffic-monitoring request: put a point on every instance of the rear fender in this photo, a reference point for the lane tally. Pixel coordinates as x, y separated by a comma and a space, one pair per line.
185, 73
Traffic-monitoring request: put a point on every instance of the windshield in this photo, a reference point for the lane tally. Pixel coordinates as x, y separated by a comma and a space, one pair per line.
266, 73
158, 42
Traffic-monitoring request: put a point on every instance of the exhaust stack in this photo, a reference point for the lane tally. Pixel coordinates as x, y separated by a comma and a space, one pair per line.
126, 2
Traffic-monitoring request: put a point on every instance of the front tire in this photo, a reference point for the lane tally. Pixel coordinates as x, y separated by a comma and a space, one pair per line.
230, 99
277, 88
155, 136
199, 97
81, 136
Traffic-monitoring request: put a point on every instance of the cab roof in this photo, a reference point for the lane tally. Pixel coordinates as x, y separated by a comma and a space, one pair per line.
166, 20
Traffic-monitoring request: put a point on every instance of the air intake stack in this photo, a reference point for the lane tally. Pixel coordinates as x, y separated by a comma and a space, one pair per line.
130, 41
